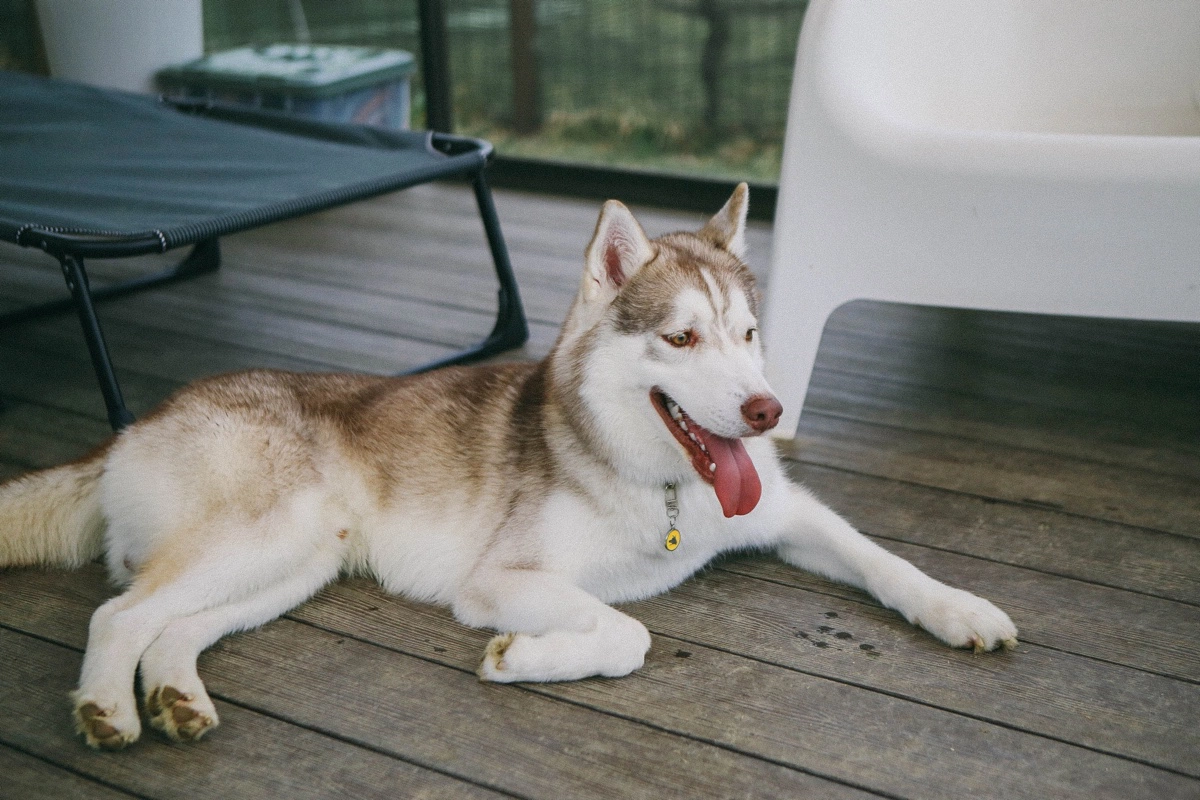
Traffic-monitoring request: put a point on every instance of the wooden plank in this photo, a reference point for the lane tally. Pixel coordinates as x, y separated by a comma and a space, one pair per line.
504, 737
1157, 564
1058, 695
1099, 491
434, 313
1019, 422
843, 732
422, 277
140, 324
255, 755
1117, 348
26, 777
1133, 630
63, 381
135, 345
404, 235
438, 321
956, 351
35, 437
560, 228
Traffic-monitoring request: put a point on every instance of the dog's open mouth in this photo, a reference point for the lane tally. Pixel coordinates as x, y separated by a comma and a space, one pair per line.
722, 462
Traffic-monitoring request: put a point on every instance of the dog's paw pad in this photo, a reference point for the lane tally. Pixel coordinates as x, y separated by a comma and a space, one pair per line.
102, 728
493, 666
181, 716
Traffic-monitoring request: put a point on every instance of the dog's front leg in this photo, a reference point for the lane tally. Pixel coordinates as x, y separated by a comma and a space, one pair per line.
551, 630
816, 539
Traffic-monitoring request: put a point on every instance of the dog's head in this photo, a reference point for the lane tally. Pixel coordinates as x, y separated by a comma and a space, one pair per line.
665, 333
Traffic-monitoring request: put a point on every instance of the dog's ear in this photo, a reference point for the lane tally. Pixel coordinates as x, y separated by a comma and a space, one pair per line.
727, 228
619, 248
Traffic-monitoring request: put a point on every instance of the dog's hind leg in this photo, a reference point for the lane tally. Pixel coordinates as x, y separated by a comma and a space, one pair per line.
551, 629
175, 699
193, 572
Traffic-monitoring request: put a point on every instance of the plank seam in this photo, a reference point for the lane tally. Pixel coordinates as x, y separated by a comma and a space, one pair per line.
579, 704
895, 381
293, 723
990, 499
936, 707
74, 771
961, 438
873, 604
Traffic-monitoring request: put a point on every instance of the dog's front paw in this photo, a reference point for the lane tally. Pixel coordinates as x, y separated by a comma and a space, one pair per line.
184, 717
106, 726
960, 619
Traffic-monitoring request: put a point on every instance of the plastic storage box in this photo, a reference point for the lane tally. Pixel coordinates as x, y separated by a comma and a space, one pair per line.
337, 84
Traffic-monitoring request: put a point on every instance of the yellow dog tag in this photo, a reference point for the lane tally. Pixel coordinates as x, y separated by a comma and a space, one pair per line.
673, 537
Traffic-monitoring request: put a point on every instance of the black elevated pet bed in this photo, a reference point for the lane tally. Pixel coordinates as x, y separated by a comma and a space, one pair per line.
91, 173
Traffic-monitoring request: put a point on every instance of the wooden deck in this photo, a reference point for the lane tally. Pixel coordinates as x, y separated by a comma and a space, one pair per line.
1051, 465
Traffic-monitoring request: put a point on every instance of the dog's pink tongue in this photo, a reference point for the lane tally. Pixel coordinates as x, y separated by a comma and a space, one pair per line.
736, 479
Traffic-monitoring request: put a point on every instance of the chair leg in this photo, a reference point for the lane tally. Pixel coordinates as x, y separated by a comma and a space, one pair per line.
77, 282
792, 329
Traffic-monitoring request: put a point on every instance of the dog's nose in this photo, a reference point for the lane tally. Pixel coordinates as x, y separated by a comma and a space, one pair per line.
762, 412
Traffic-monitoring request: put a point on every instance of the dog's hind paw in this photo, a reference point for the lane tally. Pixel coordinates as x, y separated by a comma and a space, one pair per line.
181, 716
615, 648
493, 667
106, 727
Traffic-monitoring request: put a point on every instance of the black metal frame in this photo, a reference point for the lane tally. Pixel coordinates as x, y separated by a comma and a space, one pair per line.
510, 329
435, 63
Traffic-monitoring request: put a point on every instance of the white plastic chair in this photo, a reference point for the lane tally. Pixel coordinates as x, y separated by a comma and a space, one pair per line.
1019, 155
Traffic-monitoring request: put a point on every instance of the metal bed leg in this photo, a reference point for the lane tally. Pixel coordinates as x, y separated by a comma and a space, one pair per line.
511, 330
77, 282
204, 257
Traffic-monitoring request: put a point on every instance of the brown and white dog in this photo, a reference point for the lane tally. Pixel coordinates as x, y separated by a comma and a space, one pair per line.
526, 497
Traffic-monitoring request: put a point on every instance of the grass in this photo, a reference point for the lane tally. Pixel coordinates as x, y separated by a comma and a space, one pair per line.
629, 139
620, 80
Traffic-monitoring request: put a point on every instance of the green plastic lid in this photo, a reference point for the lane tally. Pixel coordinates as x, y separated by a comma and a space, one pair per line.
304, 70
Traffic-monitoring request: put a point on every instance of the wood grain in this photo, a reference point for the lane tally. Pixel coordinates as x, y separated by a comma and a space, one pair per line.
438, 716
1014, 532
27, 777
258, 755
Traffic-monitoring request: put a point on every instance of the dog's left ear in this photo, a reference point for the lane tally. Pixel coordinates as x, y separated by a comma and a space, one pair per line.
618, 249
727, 228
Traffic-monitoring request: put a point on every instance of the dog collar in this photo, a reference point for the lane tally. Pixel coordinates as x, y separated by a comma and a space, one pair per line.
674, 537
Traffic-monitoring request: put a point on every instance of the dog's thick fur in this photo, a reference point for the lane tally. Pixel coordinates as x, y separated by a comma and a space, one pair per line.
526, 497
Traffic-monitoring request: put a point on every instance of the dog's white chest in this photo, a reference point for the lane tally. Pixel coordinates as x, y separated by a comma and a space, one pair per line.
627, 550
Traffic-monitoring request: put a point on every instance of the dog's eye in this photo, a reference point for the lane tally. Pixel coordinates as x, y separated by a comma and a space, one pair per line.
681, 339
750, 334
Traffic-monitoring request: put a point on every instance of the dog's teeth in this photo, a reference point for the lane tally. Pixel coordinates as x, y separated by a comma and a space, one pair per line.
683, 425
712, 467
676, 413
692, 436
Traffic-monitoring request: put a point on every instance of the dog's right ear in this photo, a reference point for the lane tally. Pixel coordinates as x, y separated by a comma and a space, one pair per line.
619, 248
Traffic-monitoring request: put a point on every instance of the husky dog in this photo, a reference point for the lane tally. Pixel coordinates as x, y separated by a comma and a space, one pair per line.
526, 497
